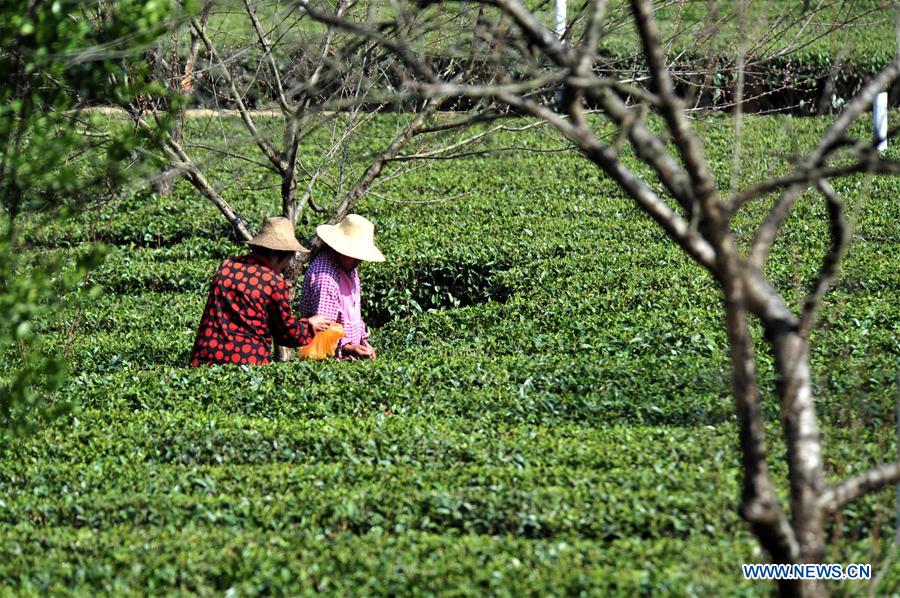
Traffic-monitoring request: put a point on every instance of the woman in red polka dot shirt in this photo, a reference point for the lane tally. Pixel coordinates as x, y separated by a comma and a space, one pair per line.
248, 303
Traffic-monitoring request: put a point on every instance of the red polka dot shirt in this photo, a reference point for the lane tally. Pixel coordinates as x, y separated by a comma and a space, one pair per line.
247, 307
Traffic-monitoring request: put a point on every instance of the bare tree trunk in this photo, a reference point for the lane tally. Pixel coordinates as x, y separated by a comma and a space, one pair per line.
759, 503
182, 81
289, 206
804, 456
163, 183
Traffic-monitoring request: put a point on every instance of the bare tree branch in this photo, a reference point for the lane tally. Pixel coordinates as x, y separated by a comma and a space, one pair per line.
870, 162
768, 231
839, 237
340, 8
485, 114
841, 495
759, 505
267, 54
591, 37
415, 65
442, 89
739, 96
187, 81
446, 151
235, 155
651, 149
264, 146
762, 242
181, 160
539, 34
689, 146
607, 158
358, 191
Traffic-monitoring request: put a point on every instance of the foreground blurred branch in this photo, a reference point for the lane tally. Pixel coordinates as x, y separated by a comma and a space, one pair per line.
680, 193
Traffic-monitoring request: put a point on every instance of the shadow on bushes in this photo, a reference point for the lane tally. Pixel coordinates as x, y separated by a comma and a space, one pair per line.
417, 287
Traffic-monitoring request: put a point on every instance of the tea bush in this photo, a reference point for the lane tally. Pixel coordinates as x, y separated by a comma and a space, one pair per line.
806, 58
549, 413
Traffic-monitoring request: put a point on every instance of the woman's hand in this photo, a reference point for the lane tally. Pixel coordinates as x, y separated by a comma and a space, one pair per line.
319, 323
363, 351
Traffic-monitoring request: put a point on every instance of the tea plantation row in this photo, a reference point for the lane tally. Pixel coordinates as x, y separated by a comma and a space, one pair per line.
865, 25
804, 58
549, 412
145, 498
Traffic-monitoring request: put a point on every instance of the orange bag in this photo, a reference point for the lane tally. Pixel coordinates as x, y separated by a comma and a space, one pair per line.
323, 344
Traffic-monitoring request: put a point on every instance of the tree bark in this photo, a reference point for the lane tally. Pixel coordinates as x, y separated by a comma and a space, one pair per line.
759, 503
702, 228
289, 206
803, 444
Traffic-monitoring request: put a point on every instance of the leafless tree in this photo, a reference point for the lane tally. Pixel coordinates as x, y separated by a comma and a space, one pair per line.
311, 76
527, 69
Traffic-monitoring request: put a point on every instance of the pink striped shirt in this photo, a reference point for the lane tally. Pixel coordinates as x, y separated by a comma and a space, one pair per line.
329, 290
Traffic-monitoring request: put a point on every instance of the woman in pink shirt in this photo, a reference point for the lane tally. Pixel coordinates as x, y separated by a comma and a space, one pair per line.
331, 283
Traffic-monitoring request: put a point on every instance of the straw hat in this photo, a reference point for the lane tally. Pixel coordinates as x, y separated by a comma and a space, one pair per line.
354, 236
277, 233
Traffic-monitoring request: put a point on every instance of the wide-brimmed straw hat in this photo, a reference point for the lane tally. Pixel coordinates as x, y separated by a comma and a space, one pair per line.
354, 236
277, 233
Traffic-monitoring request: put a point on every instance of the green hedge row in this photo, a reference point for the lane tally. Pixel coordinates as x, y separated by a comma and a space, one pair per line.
552, 373
625, 492
638, 475
797, 43
209, 560
344, 484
